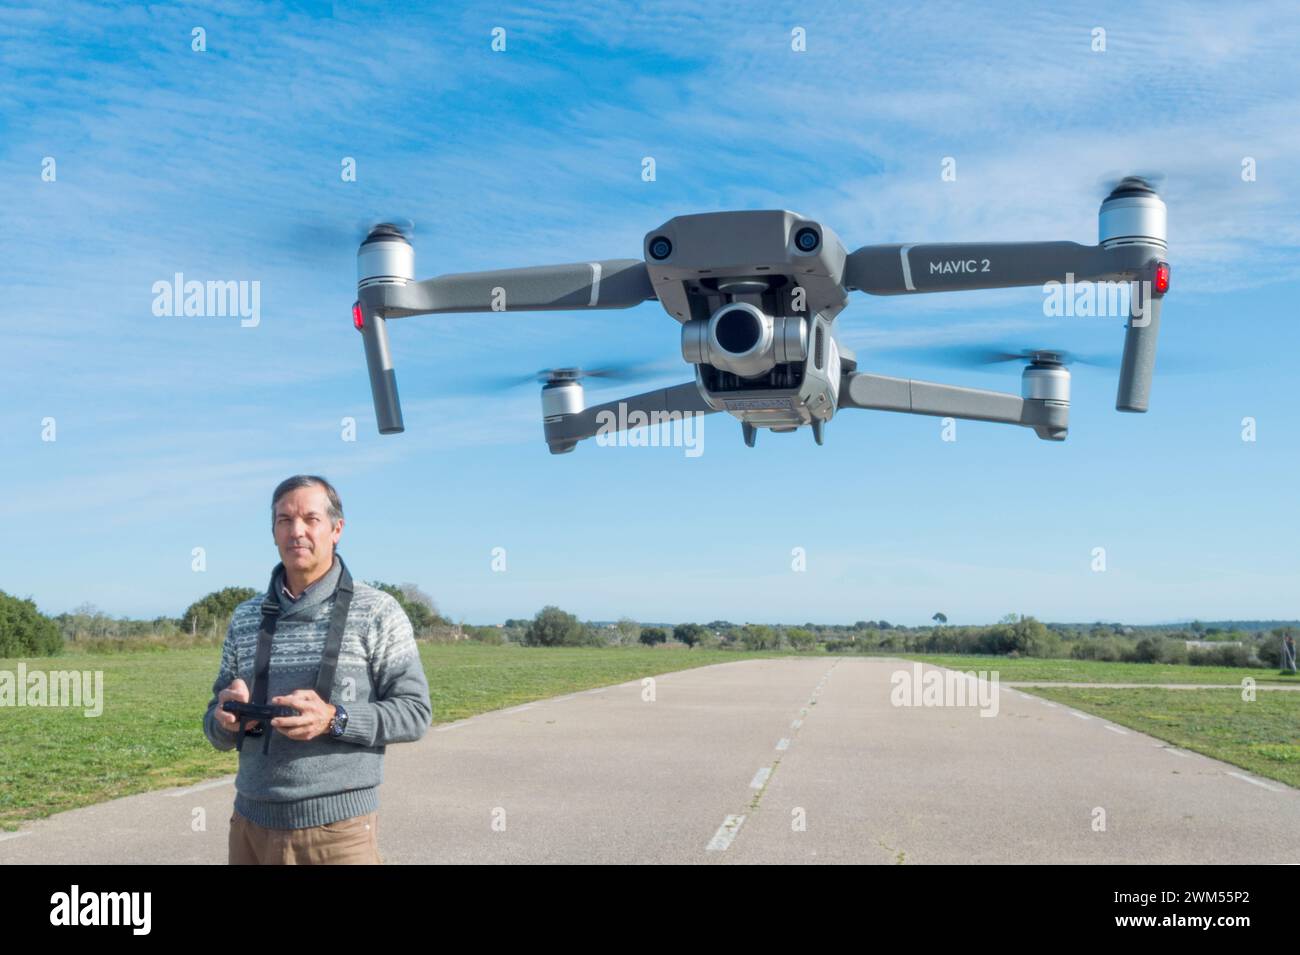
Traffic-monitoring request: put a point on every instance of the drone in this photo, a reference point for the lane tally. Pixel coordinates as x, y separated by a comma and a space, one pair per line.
756, 294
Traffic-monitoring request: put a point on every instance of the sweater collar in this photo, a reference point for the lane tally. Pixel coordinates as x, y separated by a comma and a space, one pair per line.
316, 594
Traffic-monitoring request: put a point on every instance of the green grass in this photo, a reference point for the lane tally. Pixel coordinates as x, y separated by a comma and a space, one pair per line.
1262, 736
150, 734
1098, 671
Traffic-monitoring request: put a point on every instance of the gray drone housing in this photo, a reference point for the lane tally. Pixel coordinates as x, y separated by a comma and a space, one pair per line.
757, 295
756, 310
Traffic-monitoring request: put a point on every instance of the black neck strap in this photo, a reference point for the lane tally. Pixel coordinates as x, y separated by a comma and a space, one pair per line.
329, 656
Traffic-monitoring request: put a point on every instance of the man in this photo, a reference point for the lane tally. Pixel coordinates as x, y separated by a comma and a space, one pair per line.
307, 791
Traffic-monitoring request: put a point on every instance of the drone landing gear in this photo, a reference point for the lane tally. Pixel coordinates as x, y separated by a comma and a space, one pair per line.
751, 432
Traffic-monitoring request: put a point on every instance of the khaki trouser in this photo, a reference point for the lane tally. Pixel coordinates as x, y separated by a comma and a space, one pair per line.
346, 842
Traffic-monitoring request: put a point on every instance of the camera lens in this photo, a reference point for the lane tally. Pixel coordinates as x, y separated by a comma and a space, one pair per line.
660, 247
806, 239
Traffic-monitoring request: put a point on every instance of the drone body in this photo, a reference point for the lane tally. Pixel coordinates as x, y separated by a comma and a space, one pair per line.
757, 293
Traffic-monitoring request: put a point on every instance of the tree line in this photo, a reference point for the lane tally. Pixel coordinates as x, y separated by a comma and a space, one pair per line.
25, 631
1015, 635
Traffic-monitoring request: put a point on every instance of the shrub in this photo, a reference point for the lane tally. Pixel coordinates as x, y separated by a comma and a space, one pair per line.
25, 631
552, 627
492, 636
652, 635
689, 633
1097, 648
801, 639
213, 612
1222, 656
1147, 650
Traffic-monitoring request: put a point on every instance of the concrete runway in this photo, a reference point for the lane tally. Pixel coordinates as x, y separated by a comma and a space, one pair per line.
758, 761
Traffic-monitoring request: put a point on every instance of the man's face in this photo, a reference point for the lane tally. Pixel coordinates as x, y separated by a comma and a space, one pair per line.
303, 533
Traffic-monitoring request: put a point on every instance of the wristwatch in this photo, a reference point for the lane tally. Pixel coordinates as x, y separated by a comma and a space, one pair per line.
339, 723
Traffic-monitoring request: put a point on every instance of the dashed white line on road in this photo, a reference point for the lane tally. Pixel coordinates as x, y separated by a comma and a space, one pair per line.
520, 708
760, 778
726, 832
202, 786
1052, 705
13, 835
1082, 716
1274, 789
599, 689
1176, 752
1116, 729
782, 743
796, 724
449, 726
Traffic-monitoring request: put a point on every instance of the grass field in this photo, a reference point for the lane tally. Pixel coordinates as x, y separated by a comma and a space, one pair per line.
150, 734
1099, 671
1262, 736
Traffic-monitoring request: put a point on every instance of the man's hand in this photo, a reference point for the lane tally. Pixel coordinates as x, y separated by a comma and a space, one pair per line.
237, 691
314, 718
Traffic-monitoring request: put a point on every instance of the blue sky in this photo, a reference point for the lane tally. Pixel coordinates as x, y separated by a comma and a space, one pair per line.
224, 165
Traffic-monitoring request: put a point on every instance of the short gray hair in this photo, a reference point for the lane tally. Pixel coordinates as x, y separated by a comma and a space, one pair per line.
309, 480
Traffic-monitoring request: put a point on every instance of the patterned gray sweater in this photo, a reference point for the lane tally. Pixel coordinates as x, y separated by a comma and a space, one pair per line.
379, 681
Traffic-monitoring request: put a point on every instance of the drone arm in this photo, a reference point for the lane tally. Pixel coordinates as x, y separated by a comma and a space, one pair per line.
1139, 359
905, 269
611, 283
1049, 419
951, 267
651, 408
379, 363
